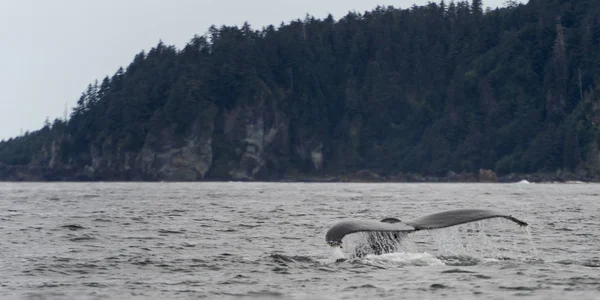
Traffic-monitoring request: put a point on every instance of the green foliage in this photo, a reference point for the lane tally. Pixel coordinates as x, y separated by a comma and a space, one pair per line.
427, 89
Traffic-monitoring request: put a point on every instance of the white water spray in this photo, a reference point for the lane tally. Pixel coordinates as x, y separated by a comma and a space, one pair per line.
490, 239
527, 231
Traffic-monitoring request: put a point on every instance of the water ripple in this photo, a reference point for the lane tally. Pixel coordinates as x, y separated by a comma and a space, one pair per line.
266, 240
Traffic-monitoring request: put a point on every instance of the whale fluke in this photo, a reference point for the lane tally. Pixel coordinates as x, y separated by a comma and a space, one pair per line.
457, 217
337, 232
390, 220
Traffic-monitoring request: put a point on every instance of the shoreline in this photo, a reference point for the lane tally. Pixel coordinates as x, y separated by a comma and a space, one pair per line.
554, 178
28, 173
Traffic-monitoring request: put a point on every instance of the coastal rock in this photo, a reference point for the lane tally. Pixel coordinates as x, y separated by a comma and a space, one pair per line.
260, 137
164, 157
20, 173
487, 176
368, 175
111, 161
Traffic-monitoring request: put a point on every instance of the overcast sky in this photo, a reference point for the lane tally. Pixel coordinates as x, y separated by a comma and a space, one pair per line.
51, 50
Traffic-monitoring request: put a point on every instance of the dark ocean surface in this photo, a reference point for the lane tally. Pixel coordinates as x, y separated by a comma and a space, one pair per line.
267, 241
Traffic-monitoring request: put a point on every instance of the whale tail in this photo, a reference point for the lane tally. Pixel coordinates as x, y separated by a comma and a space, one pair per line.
394, 229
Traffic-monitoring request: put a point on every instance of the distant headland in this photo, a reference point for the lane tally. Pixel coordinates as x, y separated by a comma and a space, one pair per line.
446, 92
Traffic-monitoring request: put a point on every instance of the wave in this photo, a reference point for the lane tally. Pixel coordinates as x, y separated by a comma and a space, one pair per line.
285, 259
401, 259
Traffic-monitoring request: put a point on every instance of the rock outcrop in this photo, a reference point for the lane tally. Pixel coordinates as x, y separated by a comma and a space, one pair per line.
188, 158
250, 142
487, 176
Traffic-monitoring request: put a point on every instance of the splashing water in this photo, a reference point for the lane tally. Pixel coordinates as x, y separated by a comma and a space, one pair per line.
337, 254
402, 259
490, 239
365, 243
467, 239
530, 238
402, 250
486, 239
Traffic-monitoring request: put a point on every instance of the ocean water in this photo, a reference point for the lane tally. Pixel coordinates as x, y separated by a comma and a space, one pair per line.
267, 241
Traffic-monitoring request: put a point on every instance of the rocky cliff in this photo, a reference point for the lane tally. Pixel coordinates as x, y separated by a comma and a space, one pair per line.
243, 143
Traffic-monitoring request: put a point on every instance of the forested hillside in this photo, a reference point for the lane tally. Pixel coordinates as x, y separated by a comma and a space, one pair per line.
446, 88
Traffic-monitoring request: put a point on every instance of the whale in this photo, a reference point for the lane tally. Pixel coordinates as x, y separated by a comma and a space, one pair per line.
394, 229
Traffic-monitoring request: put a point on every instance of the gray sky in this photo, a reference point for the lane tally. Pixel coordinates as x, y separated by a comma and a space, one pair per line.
51, 50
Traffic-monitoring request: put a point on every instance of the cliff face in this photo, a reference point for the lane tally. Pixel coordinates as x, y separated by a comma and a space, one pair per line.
243, 143
170, 156
257, 135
